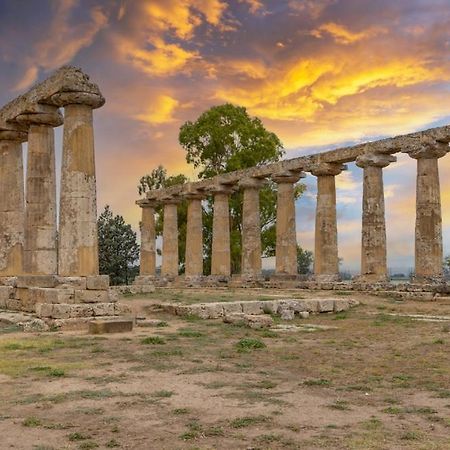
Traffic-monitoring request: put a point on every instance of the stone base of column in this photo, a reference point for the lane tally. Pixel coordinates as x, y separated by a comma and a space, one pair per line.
217, 280
247, 280
428, 280
327, 277
287, 277
191, 280
145, 279
371, 278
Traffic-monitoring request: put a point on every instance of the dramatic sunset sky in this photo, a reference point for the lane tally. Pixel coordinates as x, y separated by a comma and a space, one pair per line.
319, 73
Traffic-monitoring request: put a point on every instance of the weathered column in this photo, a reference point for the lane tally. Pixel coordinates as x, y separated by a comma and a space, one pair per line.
326, 261
373, 248
77, 240
148, 236
221, 258
428, 249
170, 262
286, 245
194, 236
40, 255
251, 264
11, 202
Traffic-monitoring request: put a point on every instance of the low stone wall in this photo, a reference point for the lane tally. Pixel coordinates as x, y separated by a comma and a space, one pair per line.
218, 310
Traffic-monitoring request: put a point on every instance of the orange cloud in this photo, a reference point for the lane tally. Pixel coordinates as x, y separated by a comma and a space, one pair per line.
342, 35
160, 111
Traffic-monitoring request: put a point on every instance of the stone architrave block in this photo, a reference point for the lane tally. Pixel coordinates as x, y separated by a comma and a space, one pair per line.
43, 281
97, 282
252, 307
103, 309
231, 308
71, 282
326, 305
91, 296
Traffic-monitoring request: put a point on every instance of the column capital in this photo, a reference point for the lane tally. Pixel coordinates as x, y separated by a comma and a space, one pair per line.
192, 193
288, 176
170, 200
78, 98
373, 159
13, 135
428, 148
41, 115
325, 168
219, 188
145, 203
252, 183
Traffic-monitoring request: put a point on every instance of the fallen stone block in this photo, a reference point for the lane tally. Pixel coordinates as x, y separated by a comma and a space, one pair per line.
235, 319
341, 305
110, 326
303, 314
256, 321
252, 307
230, 308
326, 305
269, 306
286, 313
97, 282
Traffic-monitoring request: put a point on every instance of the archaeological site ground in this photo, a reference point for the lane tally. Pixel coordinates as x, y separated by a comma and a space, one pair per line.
217, 361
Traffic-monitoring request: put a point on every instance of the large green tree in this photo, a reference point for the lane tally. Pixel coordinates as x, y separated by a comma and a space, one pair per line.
224, 139
118, 247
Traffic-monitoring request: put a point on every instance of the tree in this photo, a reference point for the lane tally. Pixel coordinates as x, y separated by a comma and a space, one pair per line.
158, 179
118, 248
304, 260
447, 265
224, 139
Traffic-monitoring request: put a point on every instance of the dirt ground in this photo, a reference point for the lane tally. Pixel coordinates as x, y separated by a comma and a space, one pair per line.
375, 380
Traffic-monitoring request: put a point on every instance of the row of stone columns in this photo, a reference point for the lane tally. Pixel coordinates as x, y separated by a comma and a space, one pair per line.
326, 262
30, 243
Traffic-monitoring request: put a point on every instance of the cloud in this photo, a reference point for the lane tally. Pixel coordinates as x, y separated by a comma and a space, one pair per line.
63, 40
343, 35
160, 111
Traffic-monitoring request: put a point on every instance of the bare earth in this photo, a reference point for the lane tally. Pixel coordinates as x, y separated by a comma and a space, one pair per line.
374, 381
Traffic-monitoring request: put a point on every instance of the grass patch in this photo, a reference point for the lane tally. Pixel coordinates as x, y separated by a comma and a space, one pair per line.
163, 394
74, 437
181, 411
153, 340
32, 422
340, 405
249, 344
187, 332
317, 382
248, 421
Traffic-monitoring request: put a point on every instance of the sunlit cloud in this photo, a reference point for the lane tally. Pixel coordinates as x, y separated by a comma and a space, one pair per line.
160, 111
343, 35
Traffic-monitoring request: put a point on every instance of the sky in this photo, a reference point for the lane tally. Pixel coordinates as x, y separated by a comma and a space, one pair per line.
319, 73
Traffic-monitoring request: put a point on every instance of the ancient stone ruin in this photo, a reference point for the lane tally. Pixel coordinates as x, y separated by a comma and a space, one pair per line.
45, 269
426, 147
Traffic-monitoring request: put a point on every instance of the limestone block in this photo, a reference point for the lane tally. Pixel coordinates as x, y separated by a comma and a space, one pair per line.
71, 282
61, 311
91, 296
306, 305
6, 292
44, 310
230, 308
252, 307
144, 279
341, 305
81, 310
303, 314
286, 314
121, 309
235, 318
43, 281
113, 295
110, 326
103, 309
49, 295
213, 310
97, 282
326, 305
270, 307
35, 325
8, 281
257, 321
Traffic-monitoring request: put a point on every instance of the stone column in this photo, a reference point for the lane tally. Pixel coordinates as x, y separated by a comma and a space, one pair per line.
78, 240
148, 237
170, 262
429, 252
221, 259
11, 203
40, 255
373, 245
326, 261
286, 245
251, 264
194, 237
